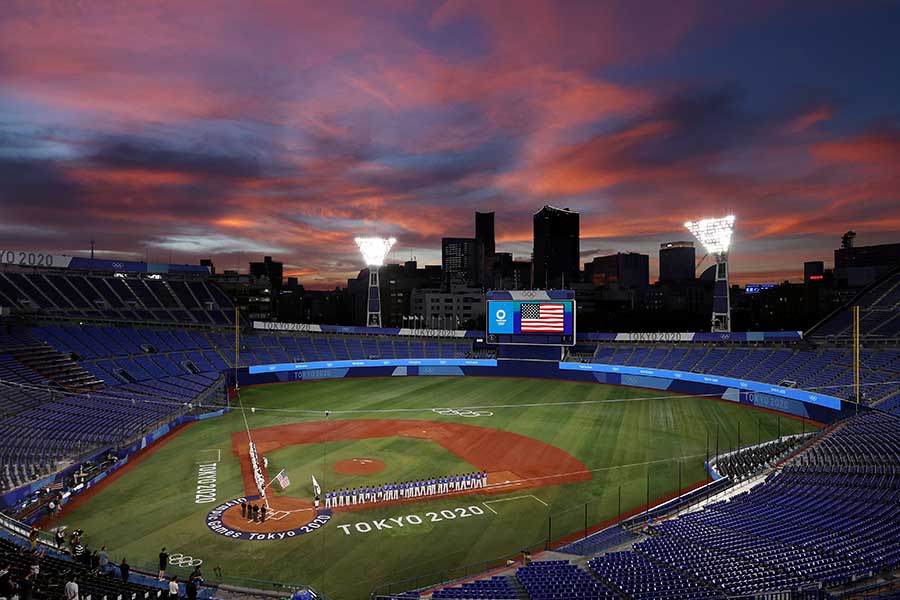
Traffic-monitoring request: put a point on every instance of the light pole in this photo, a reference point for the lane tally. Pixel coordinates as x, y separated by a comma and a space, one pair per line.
715, 235
374, 250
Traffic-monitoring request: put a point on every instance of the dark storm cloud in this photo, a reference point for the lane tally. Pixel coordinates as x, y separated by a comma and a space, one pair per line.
130, 152
29, 183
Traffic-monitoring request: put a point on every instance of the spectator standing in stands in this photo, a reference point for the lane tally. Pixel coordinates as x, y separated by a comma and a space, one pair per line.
6, 581
78, 551
32, 537
124, 570
190, 589
26, 589
163, 561
173, 588
103, 560
95, 562
72, 587
35, 568
194, 581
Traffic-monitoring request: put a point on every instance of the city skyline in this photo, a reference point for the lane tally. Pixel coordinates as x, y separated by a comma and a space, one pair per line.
288, 129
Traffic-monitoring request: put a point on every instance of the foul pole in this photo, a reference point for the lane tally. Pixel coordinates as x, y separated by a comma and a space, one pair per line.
856, 355
237, 342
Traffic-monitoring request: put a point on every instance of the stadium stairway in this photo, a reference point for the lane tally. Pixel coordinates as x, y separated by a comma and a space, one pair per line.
518, 588
58, 368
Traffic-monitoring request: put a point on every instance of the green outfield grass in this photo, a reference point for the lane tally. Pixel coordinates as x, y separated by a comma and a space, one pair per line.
619, 433
404, 460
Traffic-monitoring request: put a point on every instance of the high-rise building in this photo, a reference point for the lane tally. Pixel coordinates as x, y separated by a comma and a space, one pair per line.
272, 269
813, 270
856, 266
677, 262
484, 232
462, 260
556, 247
626, 269
504, 273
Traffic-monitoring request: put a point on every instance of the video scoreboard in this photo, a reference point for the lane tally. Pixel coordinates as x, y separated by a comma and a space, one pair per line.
544, 318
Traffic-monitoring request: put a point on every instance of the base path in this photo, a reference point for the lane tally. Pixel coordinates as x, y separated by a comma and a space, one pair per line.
512, 461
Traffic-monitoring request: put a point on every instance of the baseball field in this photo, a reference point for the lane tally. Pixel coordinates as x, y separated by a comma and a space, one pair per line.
558, 455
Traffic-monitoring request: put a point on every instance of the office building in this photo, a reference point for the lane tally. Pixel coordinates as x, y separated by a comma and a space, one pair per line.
484, 232
625, 269
556, 247
677, 262
462, 260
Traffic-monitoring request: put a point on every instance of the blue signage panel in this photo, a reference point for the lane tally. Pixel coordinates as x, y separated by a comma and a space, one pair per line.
753, 386
501, 317
391, 362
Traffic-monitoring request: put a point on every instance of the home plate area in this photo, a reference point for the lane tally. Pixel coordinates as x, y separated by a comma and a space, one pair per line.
285, 513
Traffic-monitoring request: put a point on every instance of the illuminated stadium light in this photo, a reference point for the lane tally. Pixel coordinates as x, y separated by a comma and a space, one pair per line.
715, 235
374, 250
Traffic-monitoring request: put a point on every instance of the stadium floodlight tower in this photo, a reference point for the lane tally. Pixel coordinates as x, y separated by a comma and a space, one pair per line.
715, 235
374, 250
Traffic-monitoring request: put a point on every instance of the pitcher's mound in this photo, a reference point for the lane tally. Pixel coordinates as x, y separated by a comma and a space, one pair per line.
358, 466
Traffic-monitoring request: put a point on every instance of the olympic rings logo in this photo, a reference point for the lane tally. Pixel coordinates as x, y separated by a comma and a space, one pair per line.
452, 412
180, 560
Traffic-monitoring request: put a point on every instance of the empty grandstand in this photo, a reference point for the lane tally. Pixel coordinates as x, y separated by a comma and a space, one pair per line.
90, 364
824, 519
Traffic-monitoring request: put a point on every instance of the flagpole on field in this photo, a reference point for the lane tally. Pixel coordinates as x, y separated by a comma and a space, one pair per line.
273, 480
251, 447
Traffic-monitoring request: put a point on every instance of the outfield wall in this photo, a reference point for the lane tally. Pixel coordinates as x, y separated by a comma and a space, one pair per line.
585, 336
762, 395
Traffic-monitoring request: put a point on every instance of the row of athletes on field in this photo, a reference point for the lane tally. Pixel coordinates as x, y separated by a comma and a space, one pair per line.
406, 490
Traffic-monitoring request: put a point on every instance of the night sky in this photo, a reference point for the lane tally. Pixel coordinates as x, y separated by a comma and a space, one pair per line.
195, 128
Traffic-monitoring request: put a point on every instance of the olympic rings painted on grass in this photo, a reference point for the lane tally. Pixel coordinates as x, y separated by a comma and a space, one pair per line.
180, 560
453, 412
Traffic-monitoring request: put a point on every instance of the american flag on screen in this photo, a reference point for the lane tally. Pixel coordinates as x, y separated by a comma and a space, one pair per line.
282, 479
543, 318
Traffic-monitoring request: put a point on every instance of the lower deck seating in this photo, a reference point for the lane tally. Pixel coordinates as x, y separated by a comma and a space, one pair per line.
826, 518
54, 572
495, 588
